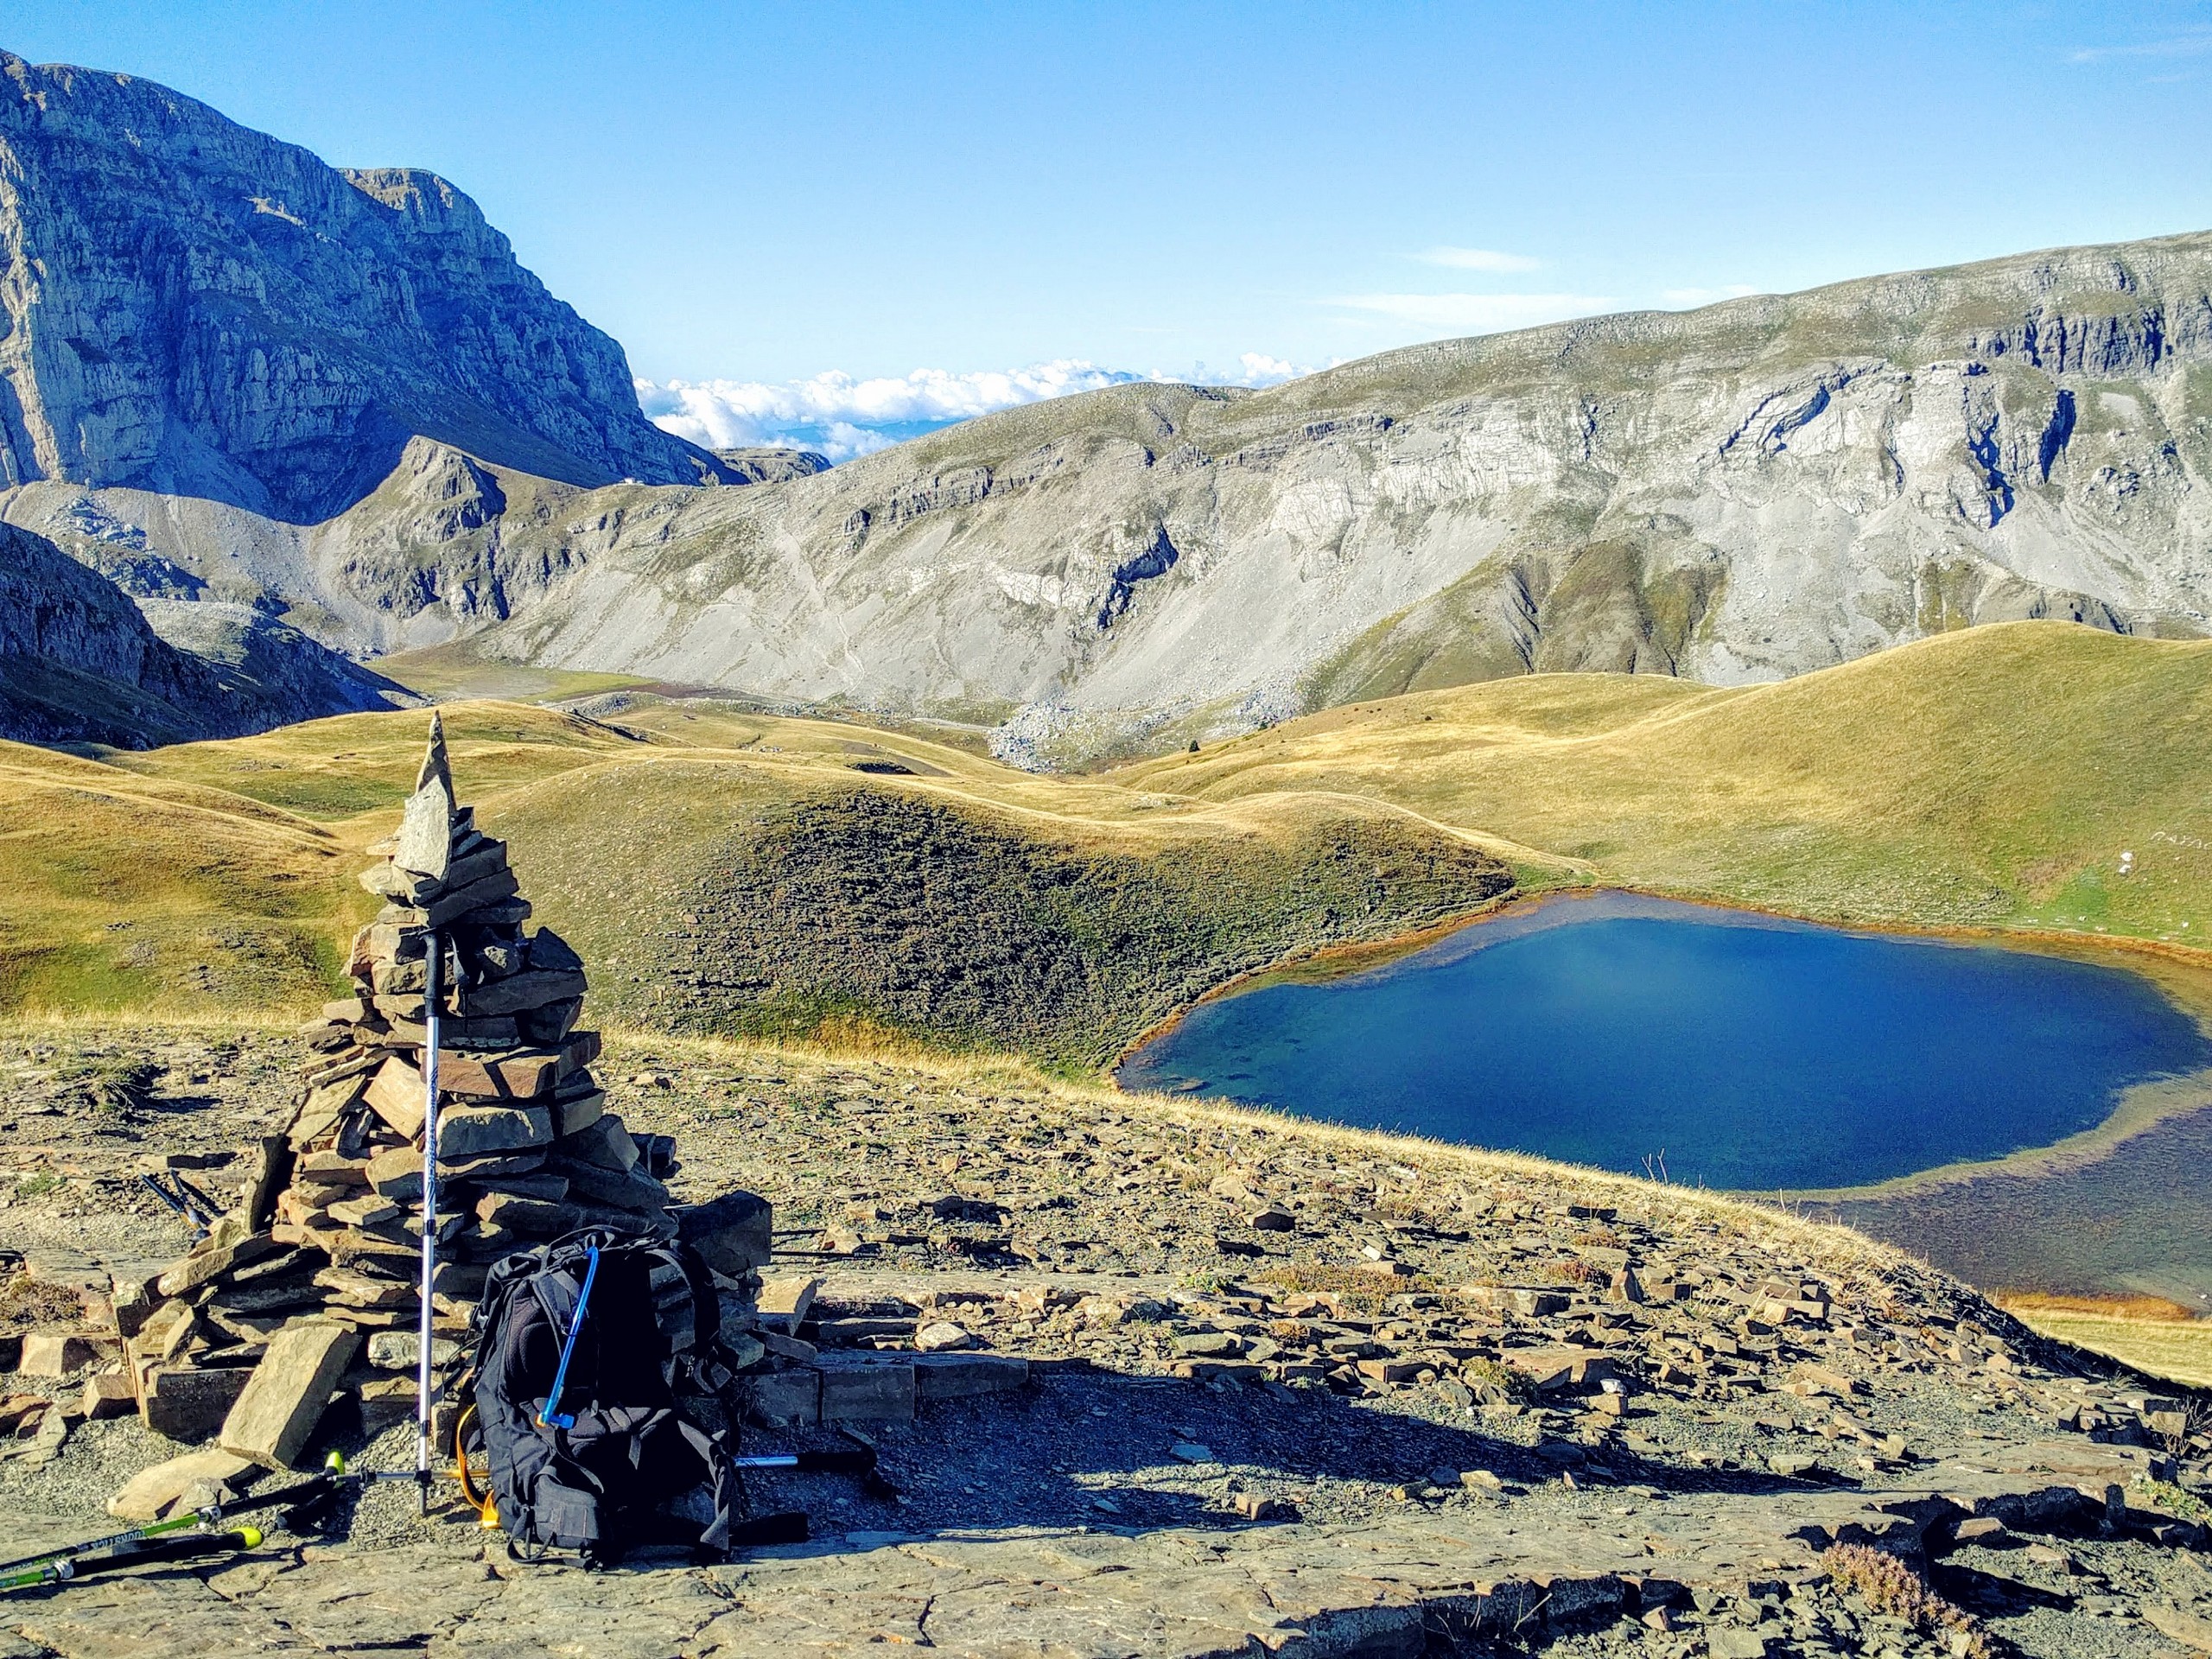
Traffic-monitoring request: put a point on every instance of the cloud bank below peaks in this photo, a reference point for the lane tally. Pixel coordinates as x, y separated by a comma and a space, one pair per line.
842, 418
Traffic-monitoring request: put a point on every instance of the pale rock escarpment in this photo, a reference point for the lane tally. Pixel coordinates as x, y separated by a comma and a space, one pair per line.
81, 663
1743, 493
772, 463
444, 545
190, 307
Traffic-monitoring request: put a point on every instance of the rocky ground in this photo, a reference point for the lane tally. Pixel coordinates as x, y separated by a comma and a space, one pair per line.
1363, 1395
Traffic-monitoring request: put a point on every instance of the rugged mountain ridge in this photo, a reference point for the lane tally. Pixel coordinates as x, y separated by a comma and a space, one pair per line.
1740, 494
352, 410
79, 663
445, 545
197, 308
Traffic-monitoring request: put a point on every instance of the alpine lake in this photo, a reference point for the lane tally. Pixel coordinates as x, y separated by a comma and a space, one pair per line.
2032, 1119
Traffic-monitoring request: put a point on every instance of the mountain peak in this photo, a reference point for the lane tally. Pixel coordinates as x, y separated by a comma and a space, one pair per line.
192, 307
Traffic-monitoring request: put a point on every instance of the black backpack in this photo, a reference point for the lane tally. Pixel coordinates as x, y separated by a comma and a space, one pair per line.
628, 1470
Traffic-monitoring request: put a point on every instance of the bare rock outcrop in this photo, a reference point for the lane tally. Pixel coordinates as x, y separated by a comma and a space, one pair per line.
1743, 493
81, 663
193, 307
772, 463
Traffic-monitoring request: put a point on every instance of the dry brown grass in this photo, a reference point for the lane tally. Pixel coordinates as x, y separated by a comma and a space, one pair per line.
1891, 1587
2157, 1337
1989, 776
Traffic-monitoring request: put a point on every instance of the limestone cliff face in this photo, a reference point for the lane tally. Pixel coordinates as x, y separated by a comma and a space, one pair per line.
1743, 493
193, 307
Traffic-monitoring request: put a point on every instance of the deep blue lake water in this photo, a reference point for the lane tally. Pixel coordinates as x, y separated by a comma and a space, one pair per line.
1755, 1053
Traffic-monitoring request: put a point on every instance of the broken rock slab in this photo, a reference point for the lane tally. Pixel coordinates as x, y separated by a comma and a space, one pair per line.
732, 1233
787, 1300
55, 1353
275, 1415
149, 1492
190, 1405
474, 1131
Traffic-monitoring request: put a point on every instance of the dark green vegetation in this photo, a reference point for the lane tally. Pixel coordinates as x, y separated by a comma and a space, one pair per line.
712, 897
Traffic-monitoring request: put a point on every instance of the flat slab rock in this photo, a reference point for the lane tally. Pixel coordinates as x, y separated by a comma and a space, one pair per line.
1178, 1592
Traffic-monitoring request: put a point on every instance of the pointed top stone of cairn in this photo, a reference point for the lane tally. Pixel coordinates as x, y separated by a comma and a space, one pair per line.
423, 847
434, 763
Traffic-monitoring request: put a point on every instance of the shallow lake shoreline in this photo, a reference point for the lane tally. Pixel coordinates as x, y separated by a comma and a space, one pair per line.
2138, 1111
1919, 1209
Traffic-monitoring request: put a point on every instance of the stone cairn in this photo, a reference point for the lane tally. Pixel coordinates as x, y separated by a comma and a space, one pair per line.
256, 1333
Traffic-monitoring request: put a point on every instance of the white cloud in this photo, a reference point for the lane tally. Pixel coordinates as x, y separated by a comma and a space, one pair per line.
2195, 43
1478, 259
1478, 314
1254, 369
1706, 295
843, 417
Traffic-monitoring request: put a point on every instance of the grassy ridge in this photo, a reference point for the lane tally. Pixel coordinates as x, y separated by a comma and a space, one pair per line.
1992, 776
213, 877
2163, 1343
125, 892
1988, 777
725, 872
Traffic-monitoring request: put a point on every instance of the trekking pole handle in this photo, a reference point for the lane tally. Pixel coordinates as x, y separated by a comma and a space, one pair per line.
187, 1216
549, 1418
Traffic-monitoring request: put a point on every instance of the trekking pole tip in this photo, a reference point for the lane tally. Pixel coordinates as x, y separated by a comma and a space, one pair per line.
250, 1537
334, 1464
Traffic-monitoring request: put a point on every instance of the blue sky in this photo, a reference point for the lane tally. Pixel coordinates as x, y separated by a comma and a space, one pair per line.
871, 217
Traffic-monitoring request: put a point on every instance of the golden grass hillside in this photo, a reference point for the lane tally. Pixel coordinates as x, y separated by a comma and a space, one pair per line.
211, 877
723, 873
2159, 1340
1993, 776
750, 874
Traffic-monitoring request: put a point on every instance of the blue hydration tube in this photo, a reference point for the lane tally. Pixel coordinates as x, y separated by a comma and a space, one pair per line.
549, 1418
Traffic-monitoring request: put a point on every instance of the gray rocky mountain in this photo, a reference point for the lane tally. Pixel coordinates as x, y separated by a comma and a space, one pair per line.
1748, 491
1743, 492
190, 307
235, 374
770, 463
445, 545
81, 663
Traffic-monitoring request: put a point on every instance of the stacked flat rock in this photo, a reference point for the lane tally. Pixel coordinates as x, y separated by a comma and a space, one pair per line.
527, 1150
320, 1264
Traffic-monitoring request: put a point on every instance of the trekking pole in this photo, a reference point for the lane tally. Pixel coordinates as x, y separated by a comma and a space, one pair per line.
60, 1563
199, 1227
207, 1210
66, 1569
859, 1462
549, 1418
422, 1403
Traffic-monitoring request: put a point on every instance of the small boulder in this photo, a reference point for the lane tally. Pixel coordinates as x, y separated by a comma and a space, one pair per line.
55, 1353
150, 1491
276, 1414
